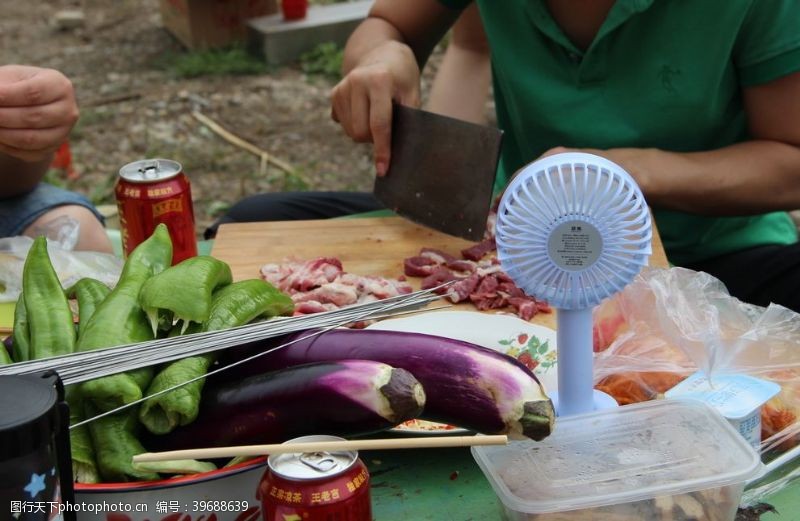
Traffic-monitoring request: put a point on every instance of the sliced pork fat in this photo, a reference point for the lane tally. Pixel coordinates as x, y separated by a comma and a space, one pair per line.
321, 284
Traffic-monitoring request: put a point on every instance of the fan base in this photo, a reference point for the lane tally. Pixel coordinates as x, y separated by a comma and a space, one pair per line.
602, 401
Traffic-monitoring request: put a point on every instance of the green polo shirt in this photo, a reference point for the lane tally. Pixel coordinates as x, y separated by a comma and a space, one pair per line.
660, 73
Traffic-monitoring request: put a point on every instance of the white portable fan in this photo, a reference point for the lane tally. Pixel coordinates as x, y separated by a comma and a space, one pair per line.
573, 228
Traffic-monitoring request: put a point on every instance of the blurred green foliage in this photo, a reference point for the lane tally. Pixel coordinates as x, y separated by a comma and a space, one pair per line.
325, 60
194, 64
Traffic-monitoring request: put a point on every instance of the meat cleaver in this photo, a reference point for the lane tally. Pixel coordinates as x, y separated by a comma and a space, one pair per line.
441, 172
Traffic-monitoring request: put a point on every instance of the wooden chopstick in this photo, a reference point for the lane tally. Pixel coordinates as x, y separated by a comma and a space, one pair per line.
426, 442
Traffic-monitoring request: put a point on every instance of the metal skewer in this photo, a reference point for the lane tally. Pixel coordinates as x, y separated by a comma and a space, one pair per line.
402, 302
80, 367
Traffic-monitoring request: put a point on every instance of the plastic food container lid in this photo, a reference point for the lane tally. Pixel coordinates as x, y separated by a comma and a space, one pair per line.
615, 456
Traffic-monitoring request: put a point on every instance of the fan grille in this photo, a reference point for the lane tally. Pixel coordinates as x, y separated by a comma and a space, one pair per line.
573, 229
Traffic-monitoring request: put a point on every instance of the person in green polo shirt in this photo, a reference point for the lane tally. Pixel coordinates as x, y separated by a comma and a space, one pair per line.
698, 100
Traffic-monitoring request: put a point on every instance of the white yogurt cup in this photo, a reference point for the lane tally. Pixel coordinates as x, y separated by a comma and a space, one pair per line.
738, 398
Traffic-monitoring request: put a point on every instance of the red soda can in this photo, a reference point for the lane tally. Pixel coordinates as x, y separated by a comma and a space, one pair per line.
316, 486
154, 191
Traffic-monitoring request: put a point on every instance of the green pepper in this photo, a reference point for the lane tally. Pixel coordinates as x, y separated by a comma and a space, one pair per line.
5, 359
84, 466
110, 392
184, 289
21, 333
50, 324
42, 321
120, 320
90, 293
231, 306
244, 301
163, 413
180, 466
238, 460
116, 444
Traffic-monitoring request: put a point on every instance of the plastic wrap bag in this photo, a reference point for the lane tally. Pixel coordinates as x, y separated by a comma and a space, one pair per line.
668, 323
70, 265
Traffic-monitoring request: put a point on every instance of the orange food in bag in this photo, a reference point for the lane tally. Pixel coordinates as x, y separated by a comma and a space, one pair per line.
635, 387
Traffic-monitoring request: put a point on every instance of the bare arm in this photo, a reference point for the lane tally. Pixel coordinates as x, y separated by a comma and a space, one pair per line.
461, 86
382, 63
18, 177
37, 111
756, 176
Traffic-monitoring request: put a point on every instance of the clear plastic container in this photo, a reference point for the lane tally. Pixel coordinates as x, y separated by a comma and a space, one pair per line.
674, 460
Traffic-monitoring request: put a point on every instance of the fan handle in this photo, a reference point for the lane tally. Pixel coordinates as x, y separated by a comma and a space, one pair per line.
575, 394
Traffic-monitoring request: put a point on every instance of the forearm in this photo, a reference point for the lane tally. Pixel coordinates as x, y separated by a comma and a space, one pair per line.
368, 36
18, 177
743, 179
461, 87
417, 25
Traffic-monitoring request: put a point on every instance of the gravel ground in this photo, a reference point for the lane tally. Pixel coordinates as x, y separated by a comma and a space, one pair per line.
133, 107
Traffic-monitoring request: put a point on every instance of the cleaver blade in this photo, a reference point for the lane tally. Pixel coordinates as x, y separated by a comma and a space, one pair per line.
441, 172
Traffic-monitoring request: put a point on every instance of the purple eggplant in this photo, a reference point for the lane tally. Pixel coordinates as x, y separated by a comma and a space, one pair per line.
345, 398
465, 384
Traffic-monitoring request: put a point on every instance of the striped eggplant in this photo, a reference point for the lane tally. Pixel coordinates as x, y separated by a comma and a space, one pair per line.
466, 385
345, 398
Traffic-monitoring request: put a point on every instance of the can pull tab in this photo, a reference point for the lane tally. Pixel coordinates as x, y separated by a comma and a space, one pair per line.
319, 461
149, 169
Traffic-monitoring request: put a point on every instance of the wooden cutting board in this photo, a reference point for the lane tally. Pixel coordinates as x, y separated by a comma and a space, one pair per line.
368, 246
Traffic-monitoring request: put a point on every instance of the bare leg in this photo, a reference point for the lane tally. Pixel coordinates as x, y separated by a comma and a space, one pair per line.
92, 236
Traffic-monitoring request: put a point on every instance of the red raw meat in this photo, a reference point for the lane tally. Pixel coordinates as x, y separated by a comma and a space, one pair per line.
439, 276
419, 266
477, 278
487, 286
477, 251
461, 290
466, 266
437, 256
490, 301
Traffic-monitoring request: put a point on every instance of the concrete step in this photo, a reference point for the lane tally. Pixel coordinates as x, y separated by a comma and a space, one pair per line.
281, 42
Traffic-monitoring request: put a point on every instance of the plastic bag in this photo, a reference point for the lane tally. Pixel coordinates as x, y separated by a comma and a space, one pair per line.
668, 323
70, 266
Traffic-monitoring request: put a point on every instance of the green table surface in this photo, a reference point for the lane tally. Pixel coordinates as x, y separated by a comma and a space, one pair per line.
447, 485
429, 484
786, 503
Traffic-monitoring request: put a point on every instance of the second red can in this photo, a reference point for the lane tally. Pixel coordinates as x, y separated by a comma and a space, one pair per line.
154, 191
316, 486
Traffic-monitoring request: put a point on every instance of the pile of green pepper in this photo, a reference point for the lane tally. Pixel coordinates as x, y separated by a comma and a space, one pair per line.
150, 300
